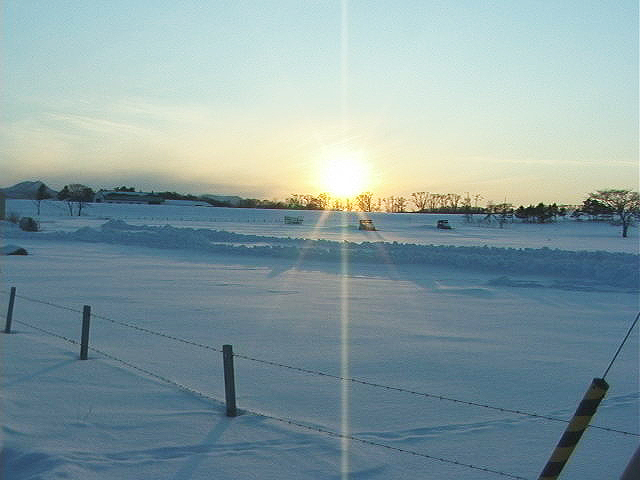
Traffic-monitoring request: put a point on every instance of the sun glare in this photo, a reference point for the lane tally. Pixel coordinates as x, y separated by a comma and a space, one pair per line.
344, 175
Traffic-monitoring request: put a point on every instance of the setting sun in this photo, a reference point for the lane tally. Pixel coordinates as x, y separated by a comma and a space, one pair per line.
344, 174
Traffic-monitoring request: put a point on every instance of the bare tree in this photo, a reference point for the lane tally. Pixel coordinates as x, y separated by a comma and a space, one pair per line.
432, 201
41, 194
81, 194
625, 204
364, 202
466, 208
441, 200
312, 203
323, 201
420, 199
388, 204
400, 205
502, 212
66, 197
454, 199
295, 201
77, 194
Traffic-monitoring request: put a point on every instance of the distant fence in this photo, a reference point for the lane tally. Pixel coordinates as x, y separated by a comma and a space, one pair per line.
229, 380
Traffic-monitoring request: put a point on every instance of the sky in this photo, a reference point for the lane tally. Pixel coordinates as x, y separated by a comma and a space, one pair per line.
522, 101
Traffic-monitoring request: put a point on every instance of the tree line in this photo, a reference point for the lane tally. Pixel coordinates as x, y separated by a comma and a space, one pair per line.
619, 206
421, 202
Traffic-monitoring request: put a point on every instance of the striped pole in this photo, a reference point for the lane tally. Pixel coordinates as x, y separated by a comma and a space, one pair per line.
578, 424
632, 472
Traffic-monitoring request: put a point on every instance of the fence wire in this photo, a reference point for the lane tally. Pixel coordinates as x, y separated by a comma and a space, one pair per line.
119, 360
287, 421
388, 447
329, 375
427, 395
125, 324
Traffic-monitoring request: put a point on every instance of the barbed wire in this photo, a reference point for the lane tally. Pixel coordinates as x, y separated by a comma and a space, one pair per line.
378, 444
124, 362
288, 421
424, 394
44, 302
154, 375
125, 324
333, 376
158, 334
62, 337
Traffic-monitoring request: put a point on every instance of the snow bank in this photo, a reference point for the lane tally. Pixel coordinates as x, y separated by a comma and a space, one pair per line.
437, 330
589, 267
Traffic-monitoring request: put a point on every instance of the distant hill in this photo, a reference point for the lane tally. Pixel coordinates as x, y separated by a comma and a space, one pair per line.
26, 190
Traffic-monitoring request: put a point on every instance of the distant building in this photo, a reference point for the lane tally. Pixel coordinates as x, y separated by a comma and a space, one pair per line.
187, 203
230, 199
112, 196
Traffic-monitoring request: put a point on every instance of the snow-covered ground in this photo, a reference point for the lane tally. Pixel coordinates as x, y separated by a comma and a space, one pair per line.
520, 318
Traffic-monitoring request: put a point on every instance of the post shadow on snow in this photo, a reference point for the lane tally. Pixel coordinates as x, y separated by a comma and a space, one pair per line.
42, 371
192, 463
26, 465
277, 270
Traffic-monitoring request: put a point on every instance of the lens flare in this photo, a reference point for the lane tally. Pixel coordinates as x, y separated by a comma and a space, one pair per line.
344, 174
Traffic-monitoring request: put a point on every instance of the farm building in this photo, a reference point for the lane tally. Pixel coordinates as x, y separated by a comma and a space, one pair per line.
110, 196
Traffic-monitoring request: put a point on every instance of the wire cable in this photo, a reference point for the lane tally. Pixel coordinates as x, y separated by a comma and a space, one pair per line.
347, 379
377, 444
282, 419
615, 356
425, 394
124, 324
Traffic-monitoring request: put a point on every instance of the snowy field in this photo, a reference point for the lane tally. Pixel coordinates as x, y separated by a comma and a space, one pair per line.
495, 320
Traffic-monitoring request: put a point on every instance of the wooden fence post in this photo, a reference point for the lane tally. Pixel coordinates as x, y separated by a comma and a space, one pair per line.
84, 343
229, 381
12, 298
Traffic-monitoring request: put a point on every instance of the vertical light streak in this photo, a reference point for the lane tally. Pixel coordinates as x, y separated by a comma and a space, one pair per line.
344, 298
344, 68
344, 357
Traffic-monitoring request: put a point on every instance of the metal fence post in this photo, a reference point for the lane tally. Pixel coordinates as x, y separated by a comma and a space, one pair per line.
84, 343
572, 434
12, 298
633, 467
229, 381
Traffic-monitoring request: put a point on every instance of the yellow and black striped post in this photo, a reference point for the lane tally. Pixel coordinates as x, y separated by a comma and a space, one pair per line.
575, 429
632, 472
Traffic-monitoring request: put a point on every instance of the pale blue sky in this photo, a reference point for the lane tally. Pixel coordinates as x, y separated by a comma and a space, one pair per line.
527, 100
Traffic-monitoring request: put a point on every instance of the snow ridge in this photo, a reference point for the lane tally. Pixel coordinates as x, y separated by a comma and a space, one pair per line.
619, 270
